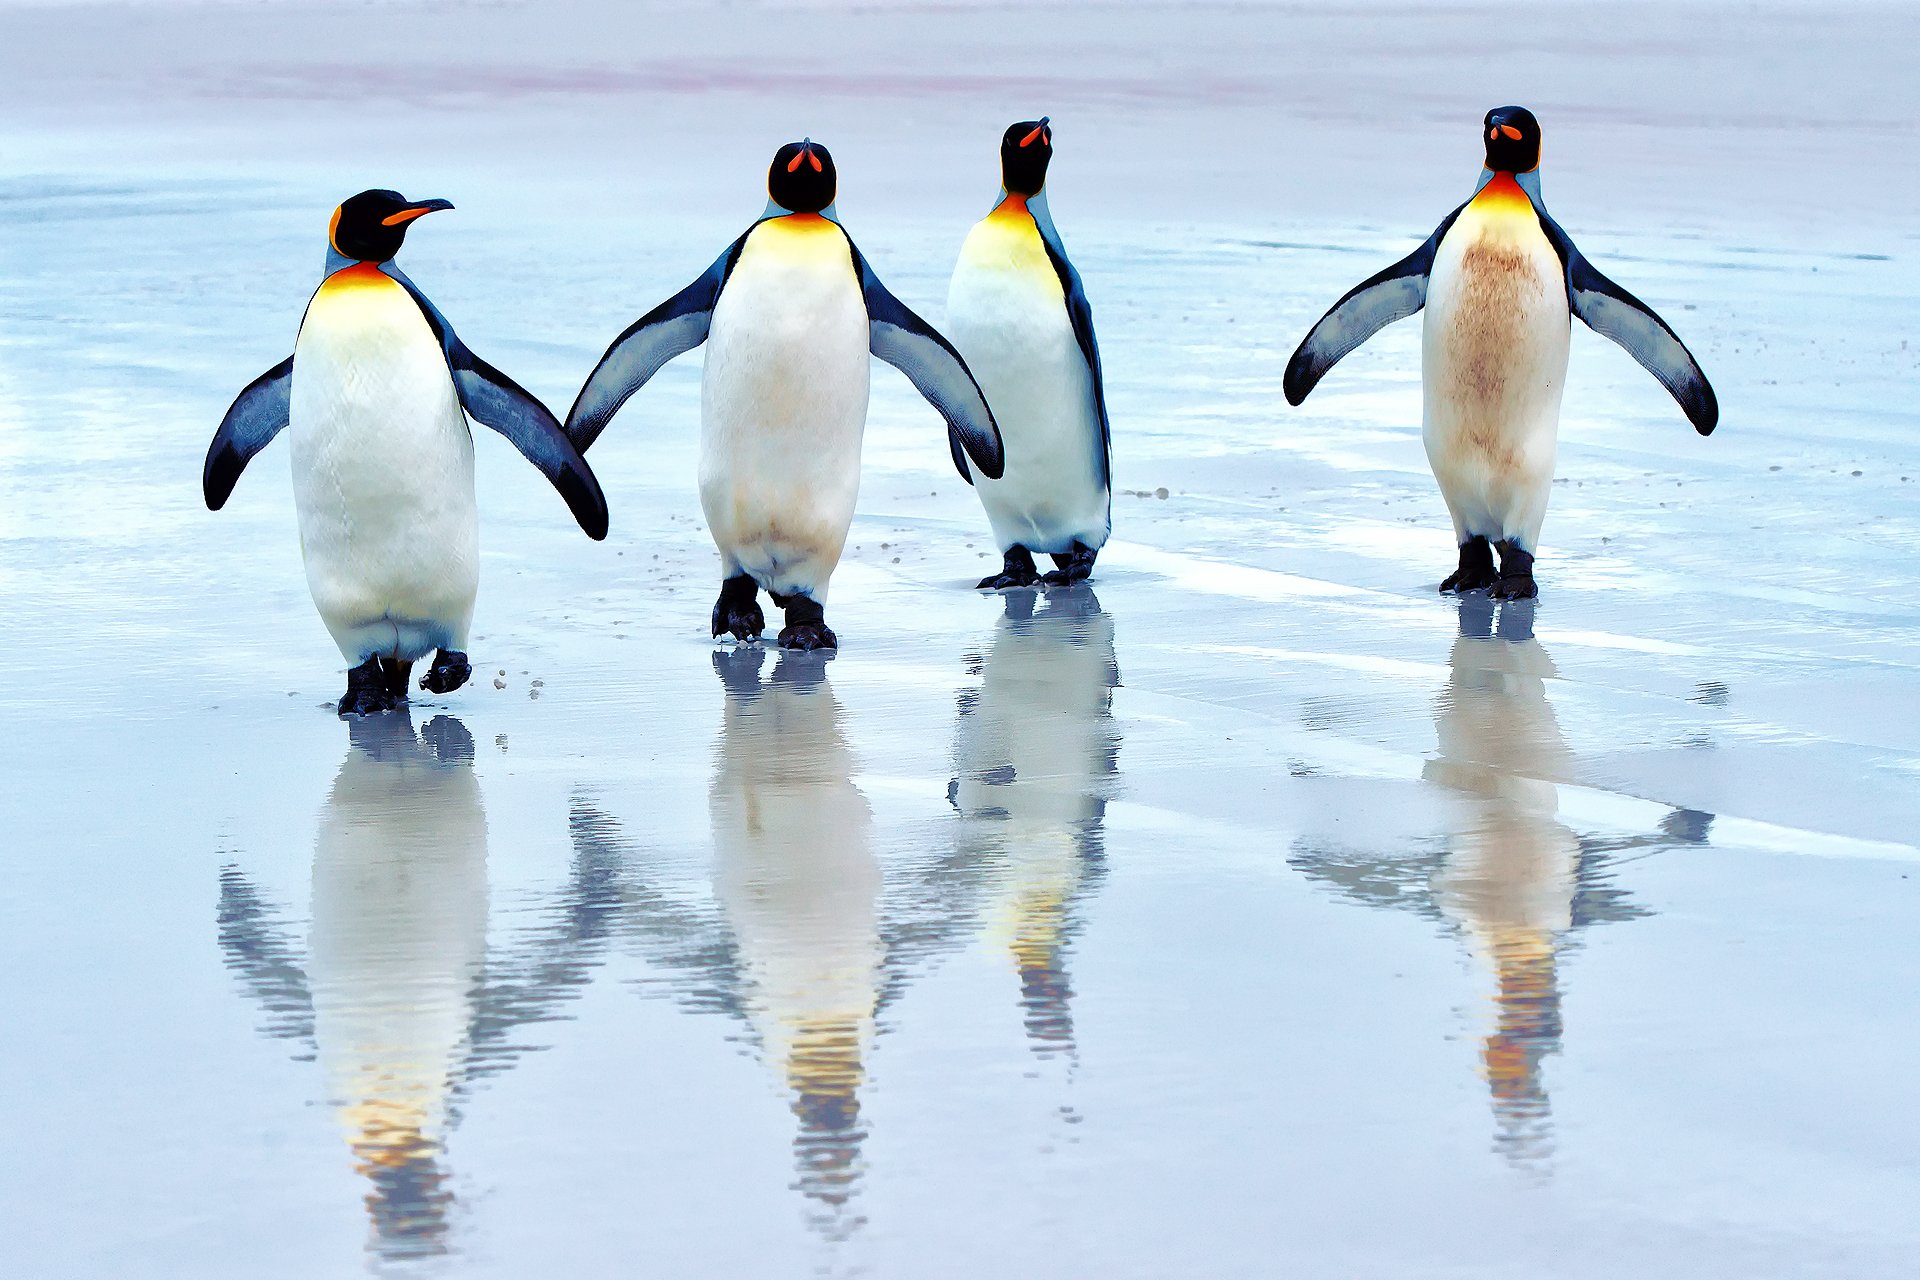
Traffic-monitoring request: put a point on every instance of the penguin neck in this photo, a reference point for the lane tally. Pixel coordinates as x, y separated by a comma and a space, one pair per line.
775, 209
1012, 204
338, 261
1528, 182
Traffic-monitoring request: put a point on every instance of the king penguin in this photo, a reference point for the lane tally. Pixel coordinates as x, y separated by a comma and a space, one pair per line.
1500, 282
383, 457
1016, 310
789, 314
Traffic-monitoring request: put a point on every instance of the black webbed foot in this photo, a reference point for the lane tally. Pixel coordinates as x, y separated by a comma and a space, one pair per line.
806, 627
807, 636
1476, 567
1075, 566
395, 677
1016, 570
737, 611
1516, 575
367, 693
450, 670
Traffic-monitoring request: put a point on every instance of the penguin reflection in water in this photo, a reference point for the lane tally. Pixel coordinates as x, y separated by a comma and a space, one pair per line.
398, 991
1514, 878
1035, 754
789, 313
800, 890
805, 939
1500, 281
1016, 310
373, 396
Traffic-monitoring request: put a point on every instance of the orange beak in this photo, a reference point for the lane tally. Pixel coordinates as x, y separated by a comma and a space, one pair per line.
420, 210
1510, 131
1039, 133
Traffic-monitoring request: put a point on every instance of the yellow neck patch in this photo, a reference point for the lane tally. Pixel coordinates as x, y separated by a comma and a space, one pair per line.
1503, 195
358, 277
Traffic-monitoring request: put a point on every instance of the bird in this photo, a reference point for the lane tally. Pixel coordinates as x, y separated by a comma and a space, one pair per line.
373, 398
789, 313
1500, 282
1016, 310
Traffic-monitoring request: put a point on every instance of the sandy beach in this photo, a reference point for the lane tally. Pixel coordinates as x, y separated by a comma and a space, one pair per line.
1257, 911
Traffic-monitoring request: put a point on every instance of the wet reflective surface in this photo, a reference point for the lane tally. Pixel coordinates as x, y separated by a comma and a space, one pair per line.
1254, 910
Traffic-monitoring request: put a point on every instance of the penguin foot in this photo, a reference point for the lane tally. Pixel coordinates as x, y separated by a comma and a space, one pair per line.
1476, 567
1016, 570
450, 670
807, 636
394, 676
737, 611
806, 627
367, 693
1516, 575
1075, 566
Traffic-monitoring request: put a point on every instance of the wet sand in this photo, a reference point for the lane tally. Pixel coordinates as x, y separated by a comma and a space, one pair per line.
1257, 911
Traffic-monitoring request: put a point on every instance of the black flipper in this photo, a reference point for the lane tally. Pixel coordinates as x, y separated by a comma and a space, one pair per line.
1081, 313
675, 326
258, 415
1370, 306
1614, 313
492, 398
911, 345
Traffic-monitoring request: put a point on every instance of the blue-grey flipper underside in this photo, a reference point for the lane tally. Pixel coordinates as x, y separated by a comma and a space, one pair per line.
1081, 313
257, 415
1614, 313
1370, 306
911, 345
676, 326
492, 398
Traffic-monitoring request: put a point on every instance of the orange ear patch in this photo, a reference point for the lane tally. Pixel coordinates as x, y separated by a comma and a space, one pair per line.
333, 228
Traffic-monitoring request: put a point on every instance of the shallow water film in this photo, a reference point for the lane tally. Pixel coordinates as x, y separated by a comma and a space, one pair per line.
1252, 910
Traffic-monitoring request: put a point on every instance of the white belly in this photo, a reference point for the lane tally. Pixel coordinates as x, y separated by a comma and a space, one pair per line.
1007, 316
382, 473
784, 406
1495, 364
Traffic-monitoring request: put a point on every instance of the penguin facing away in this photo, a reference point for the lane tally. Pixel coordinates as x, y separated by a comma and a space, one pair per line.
1500, 282
1017, 312
789, 313
383, 457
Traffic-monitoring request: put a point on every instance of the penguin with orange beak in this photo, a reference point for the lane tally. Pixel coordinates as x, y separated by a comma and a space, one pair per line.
1017, 311
1500, 282
790, 315
375, 398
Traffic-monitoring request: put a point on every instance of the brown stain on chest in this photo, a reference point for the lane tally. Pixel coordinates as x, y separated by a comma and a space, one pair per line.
1493, 328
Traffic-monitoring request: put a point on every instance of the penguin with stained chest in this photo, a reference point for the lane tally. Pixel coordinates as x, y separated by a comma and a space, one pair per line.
373, 398
1017, 312
1500, 282
790, 314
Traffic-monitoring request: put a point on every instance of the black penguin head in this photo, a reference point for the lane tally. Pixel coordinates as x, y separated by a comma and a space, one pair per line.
371, 225
1512, 136
801, 179
1025, 149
